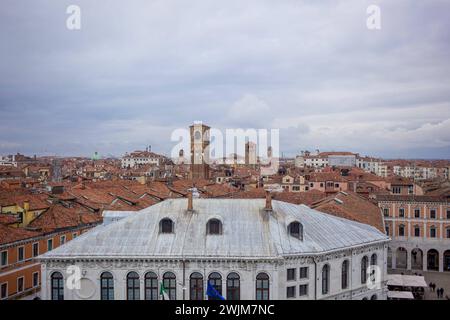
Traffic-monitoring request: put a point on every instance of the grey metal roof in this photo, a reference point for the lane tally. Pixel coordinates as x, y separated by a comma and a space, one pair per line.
248, 232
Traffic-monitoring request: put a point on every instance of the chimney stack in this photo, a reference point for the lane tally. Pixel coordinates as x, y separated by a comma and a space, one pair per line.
268, 201
190, 201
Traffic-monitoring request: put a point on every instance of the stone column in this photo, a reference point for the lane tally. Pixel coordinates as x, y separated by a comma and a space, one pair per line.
441, 261
424, 260
394, 258
408, 259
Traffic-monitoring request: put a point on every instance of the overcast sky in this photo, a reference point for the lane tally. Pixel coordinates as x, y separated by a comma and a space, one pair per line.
139, 69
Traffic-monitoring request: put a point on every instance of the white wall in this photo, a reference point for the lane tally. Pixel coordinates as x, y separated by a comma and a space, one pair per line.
247, 270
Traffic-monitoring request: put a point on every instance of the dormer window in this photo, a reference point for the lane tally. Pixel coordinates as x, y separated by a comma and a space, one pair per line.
295, 229
214, 226
166, 226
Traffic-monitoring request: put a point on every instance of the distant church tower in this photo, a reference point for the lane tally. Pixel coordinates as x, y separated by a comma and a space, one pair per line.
199, 158
250, 154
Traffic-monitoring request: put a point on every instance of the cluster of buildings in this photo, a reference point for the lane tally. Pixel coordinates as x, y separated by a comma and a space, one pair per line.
328, 225
414, 169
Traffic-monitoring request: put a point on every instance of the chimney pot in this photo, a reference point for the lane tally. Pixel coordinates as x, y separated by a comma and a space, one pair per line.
190, 202
268, 201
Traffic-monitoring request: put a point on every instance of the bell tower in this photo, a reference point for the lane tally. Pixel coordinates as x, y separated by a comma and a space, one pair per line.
199, 157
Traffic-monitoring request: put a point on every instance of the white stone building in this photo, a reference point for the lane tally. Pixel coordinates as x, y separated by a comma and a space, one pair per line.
136, 158
8, 161
248, 248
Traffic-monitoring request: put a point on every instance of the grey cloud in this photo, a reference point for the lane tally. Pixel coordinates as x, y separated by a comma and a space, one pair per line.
138, 70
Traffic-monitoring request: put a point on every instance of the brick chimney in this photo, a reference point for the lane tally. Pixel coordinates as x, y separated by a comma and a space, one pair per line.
268, 201
190, 202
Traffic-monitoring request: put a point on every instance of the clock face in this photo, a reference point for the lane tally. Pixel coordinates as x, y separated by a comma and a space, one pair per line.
197, 135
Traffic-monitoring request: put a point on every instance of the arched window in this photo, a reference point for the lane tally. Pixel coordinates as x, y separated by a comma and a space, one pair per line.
401, 230
151, 286
106, 286
373, 259
233, 286
262, 286
170, 284
215, 279
295, 229
344, 274
214, 226
133, 287
364, 265
196, 286
166, 226
325, 279
57, 286
374, 297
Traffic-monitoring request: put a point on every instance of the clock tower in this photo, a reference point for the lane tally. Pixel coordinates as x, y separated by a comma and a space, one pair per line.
199, 157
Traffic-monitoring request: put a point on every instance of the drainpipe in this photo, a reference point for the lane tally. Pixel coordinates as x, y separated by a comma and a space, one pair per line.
184, 279
351, 275
315, 278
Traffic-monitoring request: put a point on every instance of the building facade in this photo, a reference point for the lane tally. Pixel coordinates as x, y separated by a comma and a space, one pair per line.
247, 249
20, 272
138, 158
420, 230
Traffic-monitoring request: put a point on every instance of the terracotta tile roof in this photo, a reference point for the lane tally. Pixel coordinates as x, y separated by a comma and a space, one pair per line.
10, 234
59, 216
36, 201
255, 193
396, 180
217, 190
363, 176
7, 219
364, 187
411, 198
441, 192
306, 198
351, 206
326, 176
